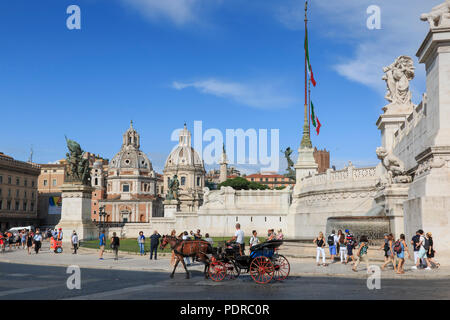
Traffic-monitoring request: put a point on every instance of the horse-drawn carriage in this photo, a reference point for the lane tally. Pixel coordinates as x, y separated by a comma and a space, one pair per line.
264, 262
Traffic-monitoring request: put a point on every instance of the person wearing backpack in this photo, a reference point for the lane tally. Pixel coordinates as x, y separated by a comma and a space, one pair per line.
431, 252
320, 242
331, 240
361, 255
390, 253
414, 242
350, 244
385, 247
422, 252
400, 248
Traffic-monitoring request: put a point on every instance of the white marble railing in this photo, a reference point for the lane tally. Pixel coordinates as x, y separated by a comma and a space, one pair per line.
350, 173
411, 122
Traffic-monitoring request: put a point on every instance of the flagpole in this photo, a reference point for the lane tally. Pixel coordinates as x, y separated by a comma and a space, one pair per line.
306, 140
306, 62
309, 106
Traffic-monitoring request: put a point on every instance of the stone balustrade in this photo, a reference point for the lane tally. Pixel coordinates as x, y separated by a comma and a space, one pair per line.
349, 173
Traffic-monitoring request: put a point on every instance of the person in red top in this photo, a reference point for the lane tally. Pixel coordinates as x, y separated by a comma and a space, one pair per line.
2, 242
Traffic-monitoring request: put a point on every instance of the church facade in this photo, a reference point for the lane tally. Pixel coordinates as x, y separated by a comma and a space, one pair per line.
127, 188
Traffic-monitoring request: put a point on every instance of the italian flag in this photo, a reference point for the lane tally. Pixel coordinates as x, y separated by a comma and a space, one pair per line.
311, 75
315, 119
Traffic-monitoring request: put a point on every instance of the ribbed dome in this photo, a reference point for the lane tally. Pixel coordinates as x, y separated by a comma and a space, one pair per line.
130, 156
184, 154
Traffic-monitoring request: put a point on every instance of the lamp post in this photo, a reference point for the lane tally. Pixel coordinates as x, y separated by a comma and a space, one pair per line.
101, 213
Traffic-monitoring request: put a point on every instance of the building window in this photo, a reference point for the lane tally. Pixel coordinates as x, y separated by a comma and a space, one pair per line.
32, 183
237, 219
8, 205
126, 188
183, 181
275, 179
32, 195
198, 181
1, 179
17, 193
267, 179
251, 219
24, 207
0, 191
265, 219
96, 181
24, 194
9, 193
9, 180
54, 182
252, 179
17, 206
32, 206
25, 182
1, 204
45, 183
17, 181
280, 219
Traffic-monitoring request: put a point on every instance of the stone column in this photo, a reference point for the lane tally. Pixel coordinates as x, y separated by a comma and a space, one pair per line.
76, 212
392, 198
305, 166
388, 124
428, 205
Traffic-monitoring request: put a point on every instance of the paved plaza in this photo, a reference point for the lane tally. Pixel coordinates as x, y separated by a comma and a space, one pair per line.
44, 276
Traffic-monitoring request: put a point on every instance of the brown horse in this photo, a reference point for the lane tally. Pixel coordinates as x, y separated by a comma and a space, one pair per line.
188, 248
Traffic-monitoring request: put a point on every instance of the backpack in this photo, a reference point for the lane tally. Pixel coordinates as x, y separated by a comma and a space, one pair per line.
386, 247
330, 240
398, 247
426, 245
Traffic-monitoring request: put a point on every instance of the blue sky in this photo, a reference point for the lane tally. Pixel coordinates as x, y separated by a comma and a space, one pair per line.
229, 63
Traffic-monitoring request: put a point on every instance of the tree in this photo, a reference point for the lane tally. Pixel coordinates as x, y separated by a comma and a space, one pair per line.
240, 183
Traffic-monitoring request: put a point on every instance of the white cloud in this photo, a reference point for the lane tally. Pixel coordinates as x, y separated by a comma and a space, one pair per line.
345, 21
264, 96
179, 12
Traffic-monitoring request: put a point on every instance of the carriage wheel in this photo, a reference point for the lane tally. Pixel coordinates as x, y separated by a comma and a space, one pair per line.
217, 271
281, 268
261, 270
233, 271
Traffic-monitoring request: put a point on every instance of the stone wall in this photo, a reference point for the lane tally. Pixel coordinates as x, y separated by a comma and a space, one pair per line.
347, 192
258, 210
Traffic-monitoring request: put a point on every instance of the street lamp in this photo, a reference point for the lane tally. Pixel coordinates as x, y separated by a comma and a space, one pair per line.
101, 213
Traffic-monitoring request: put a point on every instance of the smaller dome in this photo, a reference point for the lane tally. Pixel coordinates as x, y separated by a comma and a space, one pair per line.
130, 156
98, 164
184, 154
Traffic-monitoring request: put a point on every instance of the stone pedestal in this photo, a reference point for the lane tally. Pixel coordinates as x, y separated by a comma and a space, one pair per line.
392, 198
305, 166
388, 124
171, 207
76, 212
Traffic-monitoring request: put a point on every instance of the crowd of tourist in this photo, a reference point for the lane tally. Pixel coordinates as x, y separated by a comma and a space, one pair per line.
21, 239
346, 248
343, 246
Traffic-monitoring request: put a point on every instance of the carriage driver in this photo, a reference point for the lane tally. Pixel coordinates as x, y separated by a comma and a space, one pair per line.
239, 238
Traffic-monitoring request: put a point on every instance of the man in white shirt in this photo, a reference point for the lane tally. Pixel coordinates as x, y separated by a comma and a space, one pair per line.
75, 242
239, 238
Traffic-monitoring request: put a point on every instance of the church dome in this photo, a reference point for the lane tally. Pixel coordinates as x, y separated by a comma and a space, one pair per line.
130, 156
184, 154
